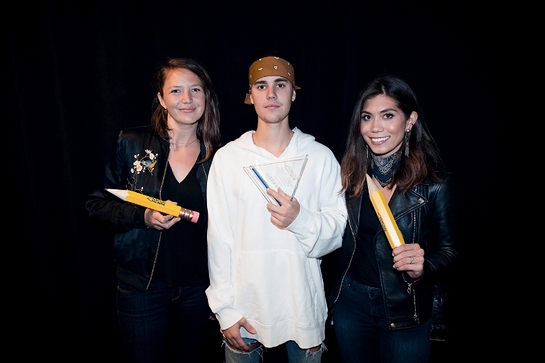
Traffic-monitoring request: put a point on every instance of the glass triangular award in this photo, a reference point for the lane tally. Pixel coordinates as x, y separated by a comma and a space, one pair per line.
282, 174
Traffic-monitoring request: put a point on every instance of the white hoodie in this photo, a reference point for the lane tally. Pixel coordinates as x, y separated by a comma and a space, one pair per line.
269, 275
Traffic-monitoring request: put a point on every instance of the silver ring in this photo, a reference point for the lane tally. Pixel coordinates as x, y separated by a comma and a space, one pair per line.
412, 260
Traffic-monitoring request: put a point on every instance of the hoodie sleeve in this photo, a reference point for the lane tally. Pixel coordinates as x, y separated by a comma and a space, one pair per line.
220, 197
321, 222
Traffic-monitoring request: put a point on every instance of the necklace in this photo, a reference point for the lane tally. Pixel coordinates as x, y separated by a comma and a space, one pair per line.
176, 147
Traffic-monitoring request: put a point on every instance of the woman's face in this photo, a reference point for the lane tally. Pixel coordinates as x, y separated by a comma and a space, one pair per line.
383, 125
183, 97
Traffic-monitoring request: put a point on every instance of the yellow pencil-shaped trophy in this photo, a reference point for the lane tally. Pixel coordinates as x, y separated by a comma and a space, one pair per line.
384, 214
155, 204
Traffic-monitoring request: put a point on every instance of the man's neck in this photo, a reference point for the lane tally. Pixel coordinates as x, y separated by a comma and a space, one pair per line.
273, 137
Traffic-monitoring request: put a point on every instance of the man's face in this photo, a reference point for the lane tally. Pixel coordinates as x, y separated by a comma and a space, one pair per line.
272, 97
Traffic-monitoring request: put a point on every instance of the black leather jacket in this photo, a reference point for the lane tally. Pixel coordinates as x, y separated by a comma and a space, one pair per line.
135, 246
426, 214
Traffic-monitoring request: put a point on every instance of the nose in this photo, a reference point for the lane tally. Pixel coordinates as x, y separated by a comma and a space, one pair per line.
271, 94
376, 125
186, 97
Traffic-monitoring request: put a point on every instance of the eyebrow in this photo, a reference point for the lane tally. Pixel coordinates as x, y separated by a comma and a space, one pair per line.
277, 80
382, 111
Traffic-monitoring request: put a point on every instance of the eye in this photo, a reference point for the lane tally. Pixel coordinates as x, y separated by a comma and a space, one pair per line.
260, 87
196, 89
365, 117
175, 91
388, 116
280, 85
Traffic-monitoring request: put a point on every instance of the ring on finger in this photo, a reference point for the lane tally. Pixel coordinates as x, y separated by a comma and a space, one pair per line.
412, 260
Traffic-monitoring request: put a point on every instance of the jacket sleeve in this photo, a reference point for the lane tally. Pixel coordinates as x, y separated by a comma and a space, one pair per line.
107, 209
443, 229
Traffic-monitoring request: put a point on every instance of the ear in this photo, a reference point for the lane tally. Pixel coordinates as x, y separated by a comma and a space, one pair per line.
293, 95
412, 120
161, 101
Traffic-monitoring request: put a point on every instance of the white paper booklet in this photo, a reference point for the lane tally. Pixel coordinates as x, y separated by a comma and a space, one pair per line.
284, 174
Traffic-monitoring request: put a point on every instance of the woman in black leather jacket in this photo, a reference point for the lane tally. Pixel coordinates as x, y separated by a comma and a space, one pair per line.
161, 260
381, 298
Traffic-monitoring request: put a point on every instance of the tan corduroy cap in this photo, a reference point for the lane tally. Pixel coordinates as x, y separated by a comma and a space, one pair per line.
270, 66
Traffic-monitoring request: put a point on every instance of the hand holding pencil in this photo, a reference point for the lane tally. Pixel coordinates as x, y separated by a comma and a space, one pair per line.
406, 257
168, 208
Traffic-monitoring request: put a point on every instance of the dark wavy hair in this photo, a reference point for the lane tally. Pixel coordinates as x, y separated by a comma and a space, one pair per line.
208, 128
424, 159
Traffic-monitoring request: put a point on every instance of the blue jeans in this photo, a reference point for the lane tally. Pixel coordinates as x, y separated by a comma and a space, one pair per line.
362, 333
162, 324
295, 354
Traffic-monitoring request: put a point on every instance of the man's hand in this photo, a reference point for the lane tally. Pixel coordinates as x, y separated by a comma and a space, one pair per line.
233, 338
282, 216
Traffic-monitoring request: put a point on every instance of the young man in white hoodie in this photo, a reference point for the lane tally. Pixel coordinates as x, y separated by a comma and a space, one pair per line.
266, 285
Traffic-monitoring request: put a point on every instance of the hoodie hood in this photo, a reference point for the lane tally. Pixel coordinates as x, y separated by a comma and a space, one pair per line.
297, 142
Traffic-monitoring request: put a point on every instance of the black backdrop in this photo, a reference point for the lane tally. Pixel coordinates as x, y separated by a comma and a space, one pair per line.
78, 72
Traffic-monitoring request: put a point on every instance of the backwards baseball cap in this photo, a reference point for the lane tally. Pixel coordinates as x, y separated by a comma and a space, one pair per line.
270, 66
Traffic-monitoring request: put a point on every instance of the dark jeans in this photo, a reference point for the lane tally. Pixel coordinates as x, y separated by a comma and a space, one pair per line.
163, 324
362, 333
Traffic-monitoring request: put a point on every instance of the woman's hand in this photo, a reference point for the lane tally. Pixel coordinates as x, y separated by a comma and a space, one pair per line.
158, 220
409, 258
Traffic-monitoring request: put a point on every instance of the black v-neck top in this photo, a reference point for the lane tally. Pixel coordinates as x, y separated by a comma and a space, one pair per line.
182, 256
364, 268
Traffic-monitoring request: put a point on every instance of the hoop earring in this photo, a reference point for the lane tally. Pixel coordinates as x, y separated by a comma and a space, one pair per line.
407, 139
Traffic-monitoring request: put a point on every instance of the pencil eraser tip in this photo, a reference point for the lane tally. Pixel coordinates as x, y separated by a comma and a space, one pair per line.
195, 217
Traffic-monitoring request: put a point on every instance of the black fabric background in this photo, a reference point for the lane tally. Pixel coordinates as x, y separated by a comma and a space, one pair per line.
75, 73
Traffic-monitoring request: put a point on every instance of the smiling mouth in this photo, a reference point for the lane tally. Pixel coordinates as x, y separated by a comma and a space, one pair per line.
379, 139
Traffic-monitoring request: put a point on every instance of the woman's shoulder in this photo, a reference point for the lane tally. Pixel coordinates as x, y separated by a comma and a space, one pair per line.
136, 131
141, 134
439, 177
443, 183
140, 139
